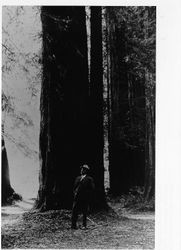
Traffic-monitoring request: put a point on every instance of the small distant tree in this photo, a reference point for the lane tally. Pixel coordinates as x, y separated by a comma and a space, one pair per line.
8, 193
18, 63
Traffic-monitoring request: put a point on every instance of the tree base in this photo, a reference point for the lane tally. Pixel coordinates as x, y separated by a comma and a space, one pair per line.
11, 199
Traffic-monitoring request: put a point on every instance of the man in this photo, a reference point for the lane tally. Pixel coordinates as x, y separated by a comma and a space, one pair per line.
83, 189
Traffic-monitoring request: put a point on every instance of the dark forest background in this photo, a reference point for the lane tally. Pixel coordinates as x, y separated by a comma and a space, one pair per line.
88, 52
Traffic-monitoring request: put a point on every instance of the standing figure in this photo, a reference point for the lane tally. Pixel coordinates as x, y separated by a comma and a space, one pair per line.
83, 190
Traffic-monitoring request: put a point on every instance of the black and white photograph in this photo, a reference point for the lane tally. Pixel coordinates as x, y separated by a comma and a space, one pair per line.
78, 127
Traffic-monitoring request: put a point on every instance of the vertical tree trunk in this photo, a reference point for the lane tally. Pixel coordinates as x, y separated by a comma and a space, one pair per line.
65, 131
96, 107
137, 121
105, 99
7, 190
8, 193
149, 186
119, 160
64, 95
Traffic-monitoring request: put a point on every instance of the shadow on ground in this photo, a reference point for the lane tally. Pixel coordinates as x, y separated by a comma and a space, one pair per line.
119, 229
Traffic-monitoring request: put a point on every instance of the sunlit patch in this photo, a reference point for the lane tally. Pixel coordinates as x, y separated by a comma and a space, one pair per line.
21, 80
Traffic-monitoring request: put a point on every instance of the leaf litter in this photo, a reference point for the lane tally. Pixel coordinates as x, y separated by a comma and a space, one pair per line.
117, 228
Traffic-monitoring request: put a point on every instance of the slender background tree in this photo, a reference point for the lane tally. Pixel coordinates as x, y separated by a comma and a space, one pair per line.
131, 57
96, 140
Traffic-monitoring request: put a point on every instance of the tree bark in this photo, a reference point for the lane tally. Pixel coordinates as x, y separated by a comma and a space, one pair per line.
8, 193
65, 141
96, 134
149, 182
7, 190
119, 158
63, 104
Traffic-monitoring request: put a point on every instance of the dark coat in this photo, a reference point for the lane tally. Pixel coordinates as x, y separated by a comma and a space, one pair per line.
83, 189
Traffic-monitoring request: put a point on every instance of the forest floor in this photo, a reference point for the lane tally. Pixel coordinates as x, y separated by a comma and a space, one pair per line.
120, 228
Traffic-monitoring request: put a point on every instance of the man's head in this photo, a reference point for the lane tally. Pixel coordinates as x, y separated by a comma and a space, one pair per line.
84, 169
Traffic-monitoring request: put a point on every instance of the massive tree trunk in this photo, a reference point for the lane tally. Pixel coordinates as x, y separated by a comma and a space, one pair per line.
119, 160
126, 107
96, 107
63, 141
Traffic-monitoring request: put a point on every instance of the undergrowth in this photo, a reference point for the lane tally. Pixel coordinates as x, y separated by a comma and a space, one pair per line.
134, 200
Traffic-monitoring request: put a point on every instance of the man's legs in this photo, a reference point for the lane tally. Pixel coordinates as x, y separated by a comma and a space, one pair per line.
85, 209
74, 215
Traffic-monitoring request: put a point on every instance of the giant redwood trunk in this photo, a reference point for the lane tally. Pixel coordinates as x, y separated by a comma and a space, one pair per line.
96, 107
64, 94
65, 116
119, 154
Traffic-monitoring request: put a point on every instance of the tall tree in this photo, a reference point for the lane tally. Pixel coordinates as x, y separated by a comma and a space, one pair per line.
131, 58
118, 152
149, 28
63, 104
65, 110
96, 139
149, 182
